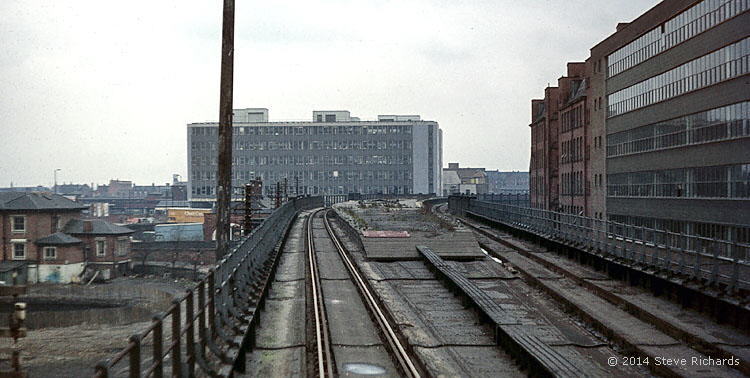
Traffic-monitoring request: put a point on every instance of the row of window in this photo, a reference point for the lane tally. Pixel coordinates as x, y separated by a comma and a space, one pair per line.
726, 181
243, 176
50, 253
572, 183
307, 145
270, 190
687, 228
728, 122
304, 130
572, 119
572, 150
308, 160
693, 21
723, 64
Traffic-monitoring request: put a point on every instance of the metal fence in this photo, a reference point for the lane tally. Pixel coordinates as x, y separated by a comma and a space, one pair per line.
709, 260
212, 324
517, 199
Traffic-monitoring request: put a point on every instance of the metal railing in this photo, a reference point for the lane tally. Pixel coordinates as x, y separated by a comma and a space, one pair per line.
211, 325
709, 260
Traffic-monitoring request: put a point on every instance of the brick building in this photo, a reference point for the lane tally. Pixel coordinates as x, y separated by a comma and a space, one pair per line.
573, 141
544, 166
45, 233
658, 121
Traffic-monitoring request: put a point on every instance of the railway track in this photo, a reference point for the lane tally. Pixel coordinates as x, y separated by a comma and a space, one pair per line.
326, 364
676, 336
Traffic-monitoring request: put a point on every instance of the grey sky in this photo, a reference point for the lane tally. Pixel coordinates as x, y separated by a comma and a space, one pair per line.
104, 89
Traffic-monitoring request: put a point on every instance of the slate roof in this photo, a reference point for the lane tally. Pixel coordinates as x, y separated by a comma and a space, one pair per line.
58, 238
17, 201
99, 227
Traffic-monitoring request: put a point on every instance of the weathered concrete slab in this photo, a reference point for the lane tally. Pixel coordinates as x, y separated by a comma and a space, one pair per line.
283, 319
348, 320
330, 266
468, 361
291, 266
449, 245
360, 361
289, 362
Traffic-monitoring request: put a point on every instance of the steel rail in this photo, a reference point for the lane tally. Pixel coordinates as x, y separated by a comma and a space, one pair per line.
408, 367
322, 338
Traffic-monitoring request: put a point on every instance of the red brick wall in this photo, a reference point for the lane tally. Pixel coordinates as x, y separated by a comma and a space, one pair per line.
38, 225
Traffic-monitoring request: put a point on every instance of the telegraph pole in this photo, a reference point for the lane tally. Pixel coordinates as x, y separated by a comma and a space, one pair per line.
224, 184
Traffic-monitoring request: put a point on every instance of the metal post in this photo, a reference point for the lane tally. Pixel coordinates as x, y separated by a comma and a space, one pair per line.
202, 317
176, 342
135, 357
190, 339
211, 303
158, 351
224, 183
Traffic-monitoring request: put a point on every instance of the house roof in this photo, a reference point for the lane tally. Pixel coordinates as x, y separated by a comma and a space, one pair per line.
36, 201
58, 238
98, 227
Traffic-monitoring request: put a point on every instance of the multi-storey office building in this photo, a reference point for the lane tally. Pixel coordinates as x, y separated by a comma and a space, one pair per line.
332, 154
670, 92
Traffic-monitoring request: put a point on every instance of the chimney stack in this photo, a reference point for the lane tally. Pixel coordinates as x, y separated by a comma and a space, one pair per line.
88, 226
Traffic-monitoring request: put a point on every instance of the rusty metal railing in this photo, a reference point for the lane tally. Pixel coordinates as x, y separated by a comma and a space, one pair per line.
714, 261
210, 327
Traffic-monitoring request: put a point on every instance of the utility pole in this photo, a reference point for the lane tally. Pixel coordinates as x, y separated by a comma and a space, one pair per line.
277, 202
296, 186
286, 192
224, 184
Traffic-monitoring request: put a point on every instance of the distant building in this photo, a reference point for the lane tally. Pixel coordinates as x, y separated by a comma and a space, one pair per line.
334, 153
43, 236
471, 180
451, 183
37, 188
507, 182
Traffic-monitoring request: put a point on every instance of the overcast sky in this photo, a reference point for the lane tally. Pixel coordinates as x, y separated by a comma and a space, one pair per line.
104, 89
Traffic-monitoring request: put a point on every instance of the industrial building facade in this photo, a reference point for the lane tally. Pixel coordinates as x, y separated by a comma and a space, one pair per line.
332, 154
662, 137
677, 118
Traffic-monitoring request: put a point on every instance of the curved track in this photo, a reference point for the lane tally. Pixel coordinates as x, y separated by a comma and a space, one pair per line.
326, 364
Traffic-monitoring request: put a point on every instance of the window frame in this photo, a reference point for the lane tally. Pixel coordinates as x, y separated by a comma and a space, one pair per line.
13, 224
48, 257
104, 247
14, 243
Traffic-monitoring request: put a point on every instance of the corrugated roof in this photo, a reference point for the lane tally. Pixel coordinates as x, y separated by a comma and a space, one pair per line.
16, 201
58, 238
98, 227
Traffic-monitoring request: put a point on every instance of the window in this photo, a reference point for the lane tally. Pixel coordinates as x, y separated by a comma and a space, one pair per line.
50, 253
330, 118
122, 246
101, 247
19, 249
18, 223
